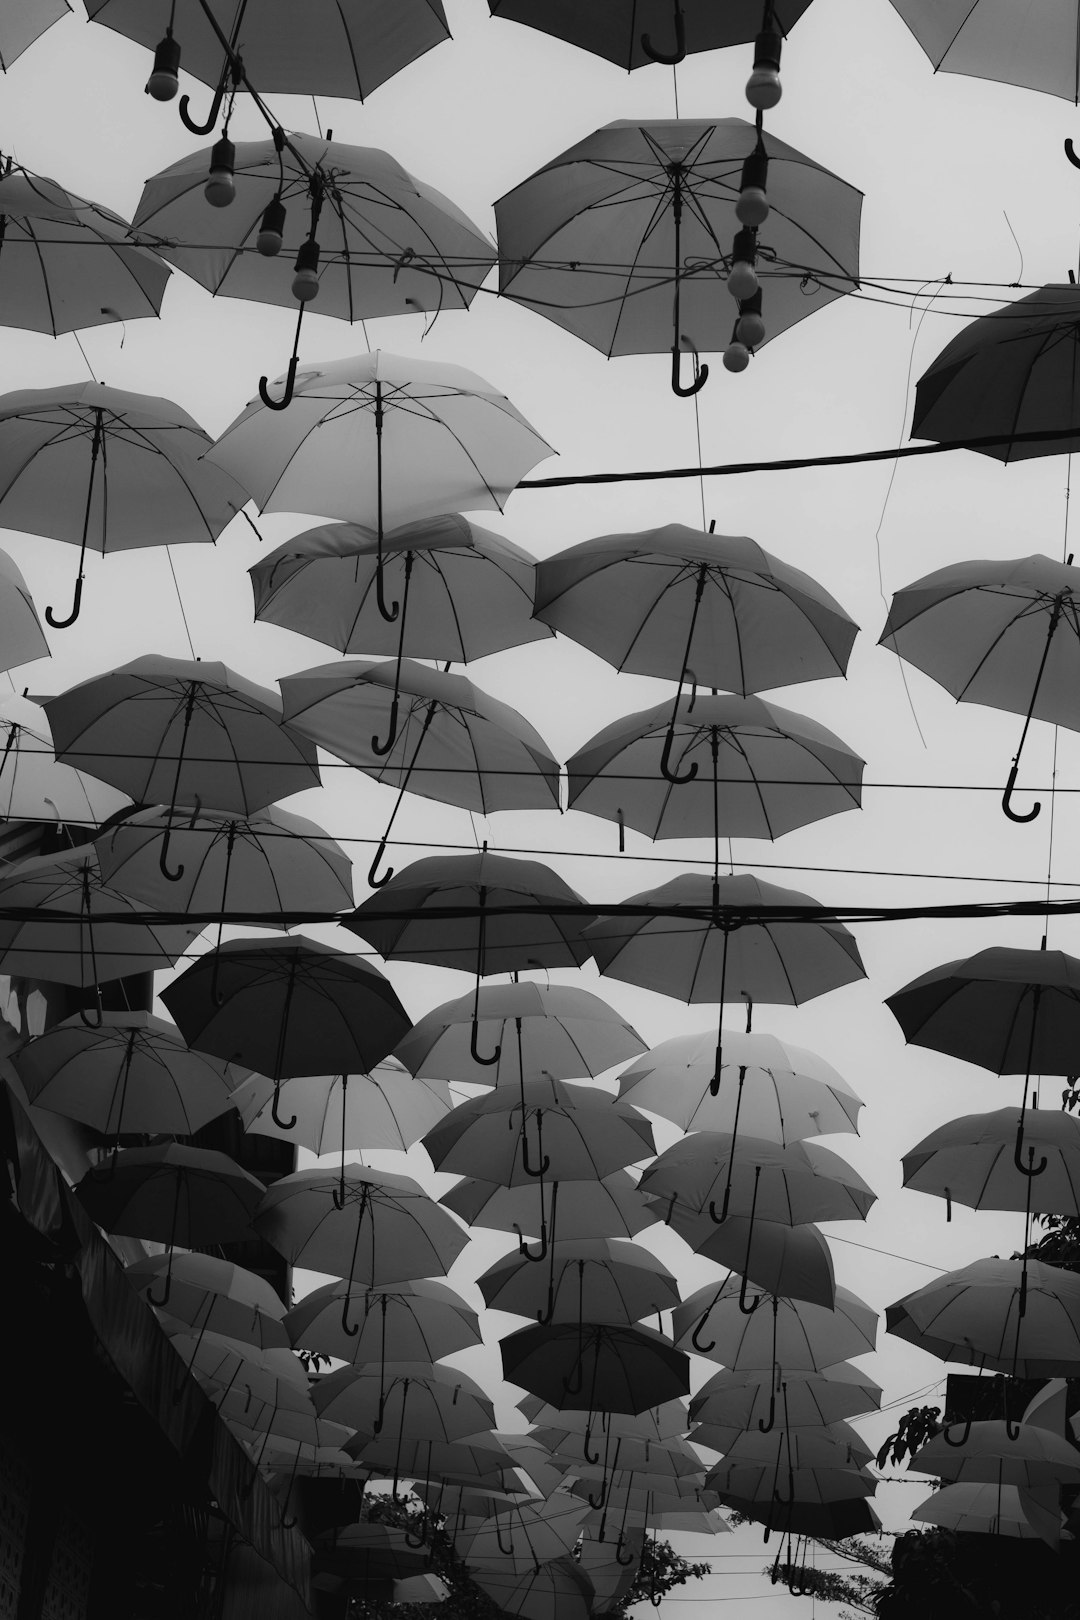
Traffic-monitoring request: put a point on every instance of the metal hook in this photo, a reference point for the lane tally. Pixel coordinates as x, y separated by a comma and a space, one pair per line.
486, 1062
1015, 815
963, 1440
62, 624
665, 760
163, 857
703, 1349
285, 401
701, 374
381, 882
282, 1124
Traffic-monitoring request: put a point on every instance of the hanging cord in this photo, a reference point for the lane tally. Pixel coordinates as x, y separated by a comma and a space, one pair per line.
180, 603
700, 458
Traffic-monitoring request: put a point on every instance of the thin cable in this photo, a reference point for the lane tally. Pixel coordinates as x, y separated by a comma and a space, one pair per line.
180, 600
82, 351
675, 87
697, 430
910, 1259
318, 121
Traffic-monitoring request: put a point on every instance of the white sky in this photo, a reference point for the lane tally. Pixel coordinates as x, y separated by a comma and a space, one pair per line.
952, 169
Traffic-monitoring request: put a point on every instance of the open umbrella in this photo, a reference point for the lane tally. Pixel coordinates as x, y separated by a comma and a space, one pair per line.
556, 1590
524, 1536
22, 639
611, 1208
386, 1108
730, 1402
632, 33
1023, 1319
24, 22
794, 1261
586, 1366
405, 1321
409, 1399
628, 238
992, 1510
620, 1281
988, 40
34, 784
211, 1294
86, 463
972, 1160
993, 1452
794, 1184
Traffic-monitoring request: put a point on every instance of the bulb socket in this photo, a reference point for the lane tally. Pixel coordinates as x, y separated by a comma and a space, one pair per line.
220, 188
305, 284
271, 229
163, 82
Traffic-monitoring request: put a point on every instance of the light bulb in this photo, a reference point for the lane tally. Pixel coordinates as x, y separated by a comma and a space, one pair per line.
742, 283
220, 188
305, 284
752, 206
163, 82
736, 357
750, 329
271, 228
763, 88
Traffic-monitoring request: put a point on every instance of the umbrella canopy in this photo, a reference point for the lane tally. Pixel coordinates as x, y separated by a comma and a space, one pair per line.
459, 1461
846, 1516
69, 263
666, 1421
768, 1087
613, 29
216, 1295
834, 1445
557, 1590
730, 1402
172, 1195
34, 784
24, 23
173, 731
972, 1160
974, 1316
86, 463
792, 1334
668, 599
990, 1454
388, 242
381, 440
620, 1282
132, 1072
465, 591
564, 1132
591, 1365
737, 941
407, 918
757, 1481
387, 1230
555, 1030
611, 1208
795, 1184
21, 637
794, 1261
270, 862
988, 41
759, 770
411, 1399
334, 1112
991, 1510
63, 935
534, 1534
595, 239
332, 50
406, 1321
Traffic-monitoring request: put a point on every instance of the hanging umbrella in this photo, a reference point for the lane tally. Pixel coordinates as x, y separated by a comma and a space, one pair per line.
755, 1481
61, 923
845, 1516
480, 1458
22, 639
730, 1402
794, 1261
991, 1453
34, 784
465, 591
988, 41
611, 1208
834, 1445
769, 1087
991, 1510
287, 1007
25, 21
621, 1282
1011, 1011
387, 1230
556, 1591
424, 731
381, 440
387, 1108
269, 862
132, 1072
632, 33
329, 50
409, 1399
665, 1421
563, 1132
972, 1161
623, 1454
524, 1536
1022, 1318
587, 1365
535, 1029
86, 464
759, 770
807, 1337
405, 1321
795, 1184
69, 263
210, 1294
626, 239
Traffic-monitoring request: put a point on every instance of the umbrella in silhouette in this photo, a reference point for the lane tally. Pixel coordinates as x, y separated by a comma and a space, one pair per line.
730, 1402
984, 41
424, 731
1032, 1458
621, 1282
611, 1208
23, 24
381, 440
1023, 1319
629, 238
1006, 634
632, 33
405, 1321
464, 591
87, 464
34, 784
585, 1366
287, 1007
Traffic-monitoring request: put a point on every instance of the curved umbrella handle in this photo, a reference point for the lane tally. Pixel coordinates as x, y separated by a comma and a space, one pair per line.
285, 401
1006, 798
215, 107
963, 1440
1012, 1430
701, 374
763, 1425
477, 1056
163, 858
665, 760
390, 613
382, 748
598, 1501
703, 1349
1070, 153
1031, 1169
718, 1220
282, 1124
748, 1310
418, 1541
619, 1559
379, 882
62, 624
523, 1248
545, 1161
544, 1316
590, 1457
350, 1330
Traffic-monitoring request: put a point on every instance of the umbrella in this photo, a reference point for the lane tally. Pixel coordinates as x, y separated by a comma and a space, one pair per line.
794, 1261
995, 1452
557, 1590
24, 22
759, 770
794, 1184
632, 33
972, 1161
63, 924
331, 50
387, 1108
626, 239
666, 1421
1011, 1011
730, 1402
412, 1400
837, 1519
991, 1510
22, 639
173, 731
588, 1365
480, 1458
465, 591
34, 784
988, 42
1017, 1317
69, 263
132, 1072
756, 1481
834, 1445
621, 1282
433, 435
405, 1321
212, 1294
86, 464
611, 1208
527, 1536
424, 731
387, 1230
536, 1030
287, 1007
